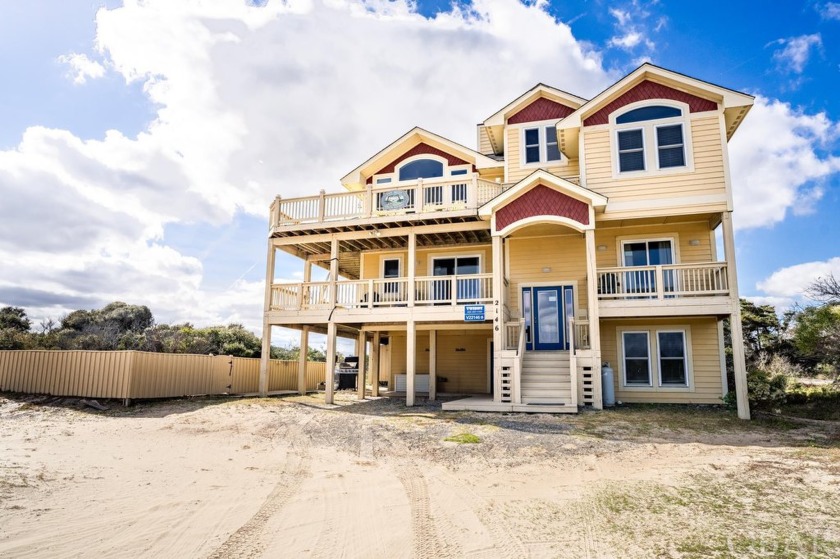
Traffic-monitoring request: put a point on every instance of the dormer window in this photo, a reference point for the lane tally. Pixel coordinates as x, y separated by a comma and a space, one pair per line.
539, 144
651, 138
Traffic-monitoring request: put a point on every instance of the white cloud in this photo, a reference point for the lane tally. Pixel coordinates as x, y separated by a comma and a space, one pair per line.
250, 102
829, 10
788, 285
82, 67
796, 51
781, 160
632, 26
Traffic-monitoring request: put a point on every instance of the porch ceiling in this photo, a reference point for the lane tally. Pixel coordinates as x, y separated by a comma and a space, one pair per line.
349, 250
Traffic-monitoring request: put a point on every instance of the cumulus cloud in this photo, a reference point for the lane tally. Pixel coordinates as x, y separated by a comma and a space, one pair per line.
82, 67
829, 10
787, 285
781, 160
250, 102
795, 52
634, 27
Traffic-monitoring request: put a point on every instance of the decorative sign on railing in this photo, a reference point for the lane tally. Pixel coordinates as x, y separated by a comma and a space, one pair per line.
394, 200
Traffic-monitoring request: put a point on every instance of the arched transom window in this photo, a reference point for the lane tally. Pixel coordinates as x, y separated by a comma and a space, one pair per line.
650, 138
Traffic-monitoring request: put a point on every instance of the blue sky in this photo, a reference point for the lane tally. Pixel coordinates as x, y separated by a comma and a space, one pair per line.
141, 144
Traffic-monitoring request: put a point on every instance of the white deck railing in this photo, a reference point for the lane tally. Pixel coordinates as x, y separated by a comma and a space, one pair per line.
387, 292
663, 282
418, 197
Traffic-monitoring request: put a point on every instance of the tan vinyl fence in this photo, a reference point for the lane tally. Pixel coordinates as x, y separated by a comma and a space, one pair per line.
136, 374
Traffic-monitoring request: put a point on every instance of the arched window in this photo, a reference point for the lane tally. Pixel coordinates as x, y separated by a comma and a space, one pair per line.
421, 169
650, 138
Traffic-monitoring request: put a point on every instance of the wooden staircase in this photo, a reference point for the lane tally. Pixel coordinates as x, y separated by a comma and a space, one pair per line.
545, 379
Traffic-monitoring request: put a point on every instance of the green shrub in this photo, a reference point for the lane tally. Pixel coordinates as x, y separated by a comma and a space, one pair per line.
766, 390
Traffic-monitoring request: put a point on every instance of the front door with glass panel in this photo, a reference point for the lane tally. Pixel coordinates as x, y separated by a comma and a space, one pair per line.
547, 311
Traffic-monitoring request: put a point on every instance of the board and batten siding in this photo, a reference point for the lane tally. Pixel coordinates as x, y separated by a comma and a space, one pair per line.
707, 178
565, 255
683, 234
517, 172
462, 359
135, 374
704, 363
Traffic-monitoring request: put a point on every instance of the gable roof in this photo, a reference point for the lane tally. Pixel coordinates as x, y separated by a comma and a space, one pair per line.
735, 104
495, 123
355, 179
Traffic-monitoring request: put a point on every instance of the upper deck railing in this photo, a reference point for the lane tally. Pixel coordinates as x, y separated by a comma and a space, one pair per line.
424, 196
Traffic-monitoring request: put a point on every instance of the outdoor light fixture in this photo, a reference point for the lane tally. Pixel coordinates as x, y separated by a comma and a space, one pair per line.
694, 242
546, 270
375, 233
602, 248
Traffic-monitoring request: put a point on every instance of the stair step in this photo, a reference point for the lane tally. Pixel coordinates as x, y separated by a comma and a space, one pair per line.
546, 370
546, 377
548, 400
531, 385
546, 392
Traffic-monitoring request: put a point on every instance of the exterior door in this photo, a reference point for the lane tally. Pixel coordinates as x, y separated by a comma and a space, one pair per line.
546, 311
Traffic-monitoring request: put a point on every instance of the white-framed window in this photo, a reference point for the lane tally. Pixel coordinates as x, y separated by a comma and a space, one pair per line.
422, 166
539, 143
391, 267
673, 358
636, 358
650, 137
655, 358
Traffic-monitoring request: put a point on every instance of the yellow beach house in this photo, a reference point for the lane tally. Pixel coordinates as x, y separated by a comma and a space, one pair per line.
577, 232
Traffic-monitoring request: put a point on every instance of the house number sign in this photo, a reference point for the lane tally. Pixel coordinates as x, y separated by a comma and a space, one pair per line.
394, 200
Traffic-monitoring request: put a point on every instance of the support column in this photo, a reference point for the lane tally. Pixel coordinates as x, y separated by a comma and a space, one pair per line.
738, 357
410, 360
362, 351
303, 355
329, 374
265, 355
498, 306
432, 364
412, 261
594, 316
374, 365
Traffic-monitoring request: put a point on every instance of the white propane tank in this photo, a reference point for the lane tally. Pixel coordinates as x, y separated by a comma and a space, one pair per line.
607, 386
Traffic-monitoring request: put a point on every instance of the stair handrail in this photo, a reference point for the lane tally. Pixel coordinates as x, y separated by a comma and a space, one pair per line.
517, 363
573, 383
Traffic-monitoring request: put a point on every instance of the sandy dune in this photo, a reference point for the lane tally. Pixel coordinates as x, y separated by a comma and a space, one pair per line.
293, 477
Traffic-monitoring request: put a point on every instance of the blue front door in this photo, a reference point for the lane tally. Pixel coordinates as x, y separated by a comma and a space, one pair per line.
546, 311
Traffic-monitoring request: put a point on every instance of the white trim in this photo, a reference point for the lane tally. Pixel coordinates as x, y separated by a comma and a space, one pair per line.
623, 363
650, 145
674, 240
430, 269
383, 257
490, 364
543, 177
499, 118
654, 366
541, 126
545, 219
685, 357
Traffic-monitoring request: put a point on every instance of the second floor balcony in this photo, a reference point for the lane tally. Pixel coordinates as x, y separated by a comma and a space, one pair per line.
432, 198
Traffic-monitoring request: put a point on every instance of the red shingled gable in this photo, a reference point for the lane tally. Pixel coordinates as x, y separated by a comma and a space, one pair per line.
420, 149
542, 200
541, 109
650, 90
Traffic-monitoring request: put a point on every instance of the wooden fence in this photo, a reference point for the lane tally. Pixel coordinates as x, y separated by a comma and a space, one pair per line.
137, 374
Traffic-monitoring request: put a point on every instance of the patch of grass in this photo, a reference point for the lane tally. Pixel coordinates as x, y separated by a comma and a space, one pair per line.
463, 438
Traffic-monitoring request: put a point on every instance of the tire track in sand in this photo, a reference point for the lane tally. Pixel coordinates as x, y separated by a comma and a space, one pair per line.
247, 542
426, 538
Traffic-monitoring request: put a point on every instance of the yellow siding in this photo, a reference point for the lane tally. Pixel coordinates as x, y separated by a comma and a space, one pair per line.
704, 361
465, 371
566, 256
484, 145
516, 172
611, 237
372, 267
707, 177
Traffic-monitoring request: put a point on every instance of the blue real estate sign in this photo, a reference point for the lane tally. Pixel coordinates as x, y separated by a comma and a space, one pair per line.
474, 313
